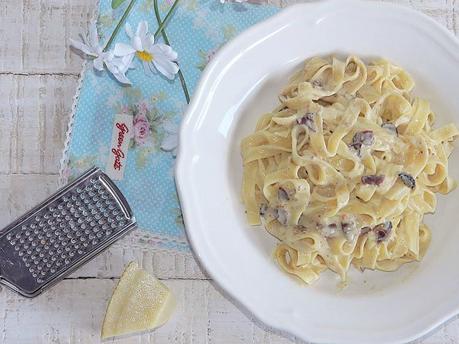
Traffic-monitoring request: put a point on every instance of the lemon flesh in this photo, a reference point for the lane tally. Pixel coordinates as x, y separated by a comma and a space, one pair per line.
140, 302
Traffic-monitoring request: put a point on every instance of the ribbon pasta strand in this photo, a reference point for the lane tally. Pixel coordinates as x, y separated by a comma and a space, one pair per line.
344, 169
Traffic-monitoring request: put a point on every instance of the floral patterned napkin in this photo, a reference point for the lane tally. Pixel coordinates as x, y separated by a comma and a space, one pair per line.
196, 31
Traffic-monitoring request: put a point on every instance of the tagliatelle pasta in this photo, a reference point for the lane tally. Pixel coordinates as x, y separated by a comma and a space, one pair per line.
344, 169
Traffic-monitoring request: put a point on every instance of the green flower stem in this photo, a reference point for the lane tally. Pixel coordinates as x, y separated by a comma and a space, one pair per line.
120, 23
166, 40
163, 24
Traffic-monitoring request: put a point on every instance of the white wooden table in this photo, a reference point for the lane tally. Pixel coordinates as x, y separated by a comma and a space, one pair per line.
38, 78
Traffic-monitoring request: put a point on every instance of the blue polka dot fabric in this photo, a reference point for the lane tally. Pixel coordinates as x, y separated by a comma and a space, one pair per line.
197, 29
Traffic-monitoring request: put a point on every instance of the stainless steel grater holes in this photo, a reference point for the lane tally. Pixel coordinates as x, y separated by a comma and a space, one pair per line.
64, 232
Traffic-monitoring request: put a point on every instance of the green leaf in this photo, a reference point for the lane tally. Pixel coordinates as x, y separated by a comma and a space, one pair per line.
117, 3
142, 157
131, 144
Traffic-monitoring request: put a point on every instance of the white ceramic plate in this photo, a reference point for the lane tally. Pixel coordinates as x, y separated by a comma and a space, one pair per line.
241, 83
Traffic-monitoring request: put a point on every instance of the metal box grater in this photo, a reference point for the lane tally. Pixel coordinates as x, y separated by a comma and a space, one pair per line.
62, 233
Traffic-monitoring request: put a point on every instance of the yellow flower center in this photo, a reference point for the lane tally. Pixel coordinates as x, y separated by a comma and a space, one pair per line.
144, 56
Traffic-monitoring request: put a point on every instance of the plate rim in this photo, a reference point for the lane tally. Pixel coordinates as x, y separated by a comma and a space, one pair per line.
442, 35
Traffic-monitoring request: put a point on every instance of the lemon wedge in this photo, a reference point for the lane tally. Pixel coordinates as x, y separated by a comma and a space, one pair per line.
140, 302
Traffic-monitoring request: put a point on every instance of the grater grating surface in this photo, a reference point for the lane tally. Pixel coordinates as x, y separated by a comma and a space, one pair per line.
64, 232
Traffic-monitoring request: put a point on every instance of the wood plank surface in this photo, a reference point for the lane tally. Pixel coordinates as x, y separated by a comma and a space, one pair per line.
35, 35
73, 311
34, 113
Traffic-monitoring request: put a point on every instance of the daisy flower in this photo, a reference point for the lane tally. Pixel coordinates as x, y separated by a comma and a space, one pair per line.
91, 49
153, 55
118, 66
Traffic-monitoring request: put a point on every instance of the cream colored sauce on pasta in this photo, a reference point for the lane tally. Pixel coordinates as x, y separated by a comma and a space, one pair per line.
344, 169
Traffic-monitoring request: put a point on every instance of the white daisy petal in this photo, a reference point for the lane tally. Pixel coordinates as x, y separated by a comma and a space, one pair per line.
165, 67
128, 29
109, 55
142, 29
111, 67
145, 42
164, 50
152, 68
122, 49
84, 39
136, 43
93, 35
98, 63
119, 64
115, 67
127, 61
163, 71
122, 78
149, 43
86, 49
171, 63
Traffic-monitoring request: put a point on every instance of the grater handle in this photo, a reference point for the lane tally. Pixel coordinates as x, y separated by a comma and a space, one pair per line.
9, 267
116, 193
